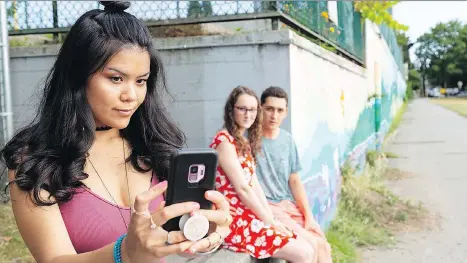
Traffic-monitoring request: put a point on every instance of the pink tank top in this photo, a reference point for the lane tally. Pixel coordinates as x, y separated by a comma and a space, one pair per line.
93, 222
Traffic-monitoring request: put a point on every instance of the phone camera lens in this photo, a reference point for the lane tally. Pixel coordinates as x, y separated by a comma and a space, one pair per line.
192, 178
194, 169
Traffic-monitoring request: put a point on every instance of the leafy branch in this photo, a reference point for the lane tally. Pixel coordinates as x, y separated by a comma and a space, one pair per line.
378, 12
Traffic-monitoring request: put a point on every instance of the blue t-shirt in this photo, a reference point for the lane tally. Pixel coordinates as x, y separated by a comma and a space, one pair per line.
278, 159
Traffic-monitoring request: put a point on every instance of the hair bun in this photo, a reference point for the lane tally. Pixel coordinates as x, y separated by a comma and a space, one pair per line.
115, 6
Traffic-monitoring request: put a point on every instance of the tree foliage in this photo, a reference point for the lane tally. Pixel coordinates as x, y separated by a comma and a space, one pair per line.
379, 12
207, 8
441, 54
414, 79
403, 42
197, 9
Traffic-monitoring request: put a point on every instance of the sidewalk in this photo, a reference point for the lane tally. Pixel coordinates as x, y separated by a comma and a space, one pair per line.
432, 144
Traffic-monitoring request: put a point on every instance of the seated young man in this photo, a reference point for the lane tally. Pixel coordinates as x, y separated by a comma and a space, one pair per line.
278, 167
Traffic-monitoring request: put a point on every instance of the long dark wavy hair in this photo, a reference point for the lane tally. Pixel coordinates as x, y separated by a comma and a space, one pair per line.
254, 132
51, 151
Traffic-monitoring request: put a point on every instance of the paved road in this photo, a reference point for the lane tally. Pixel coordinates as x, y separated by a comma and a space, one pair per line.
432, 142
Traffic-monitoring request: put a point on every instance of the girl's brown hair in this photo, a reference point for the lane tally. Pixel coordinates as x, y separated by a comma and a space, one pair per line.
254, 132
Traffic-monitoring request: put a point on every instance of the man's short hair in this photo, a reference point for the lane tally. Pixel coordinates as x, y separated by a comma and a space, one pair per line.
274, 91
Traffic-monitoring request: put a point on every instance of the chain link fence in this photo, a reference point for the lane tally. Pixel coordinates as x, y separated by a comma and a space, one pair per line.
391, 38
341, 25
25, 15
44, 16
336, 21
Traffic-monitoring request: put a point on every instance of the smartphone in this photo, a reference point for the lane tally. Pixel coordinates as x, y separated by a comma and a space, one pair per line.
192, 172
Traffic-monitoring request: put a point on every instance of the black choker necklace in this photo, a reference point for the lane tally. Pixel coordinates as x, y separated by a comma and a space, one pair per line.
103, 128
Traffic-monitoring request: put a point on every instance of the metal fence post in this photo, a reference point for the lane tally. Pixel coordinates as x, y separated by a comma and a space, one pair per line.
7, 115
6, 71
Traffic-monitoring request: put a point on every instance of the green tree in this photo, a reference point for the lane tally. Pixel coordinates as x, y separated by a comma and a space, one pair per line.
11, 12
413, 80
423, 54
403, 42
461, 61
442, 55
268, 6
413, 75
194, 9
207, 8
379, 12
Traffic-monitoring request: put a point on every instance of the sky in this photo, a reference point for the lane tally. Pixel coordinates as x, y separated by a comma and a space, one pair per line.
420, 16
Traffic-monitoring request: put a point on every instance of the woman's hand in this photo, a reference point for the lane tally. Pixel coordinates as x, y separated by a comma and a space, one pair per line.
278, 226
312, 225
220, 220
233, 211
146, 241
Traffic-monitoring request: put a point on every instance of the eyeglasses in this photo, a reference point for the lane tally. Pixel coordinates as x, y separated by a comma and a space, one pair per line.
245, 110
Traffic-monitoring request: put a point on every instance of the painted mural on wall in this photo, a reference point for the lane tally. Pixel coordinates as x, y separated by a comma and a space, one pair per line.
335, 120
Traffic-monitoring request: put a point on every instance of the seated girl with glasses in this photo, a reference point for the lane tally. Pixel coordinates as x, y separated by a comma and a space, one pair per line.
254, 229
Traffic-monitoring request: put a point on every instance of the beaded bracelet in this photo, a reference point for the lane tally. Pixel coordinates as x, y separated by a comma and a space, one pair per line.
118, 249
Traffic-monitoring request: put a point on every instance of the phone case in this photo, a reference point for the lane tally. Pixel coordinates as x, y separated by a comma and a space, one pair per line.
183, 186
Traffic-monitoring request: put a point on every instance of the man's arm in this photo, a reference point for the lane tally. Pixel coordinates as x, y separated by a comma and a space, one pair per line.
295, 183
298, 191
299, 194
301, 200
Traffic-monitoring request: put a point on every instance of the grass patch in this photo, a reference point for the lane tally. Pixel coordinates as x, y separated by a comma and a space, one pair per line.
458, 105
12, 247
343, 248
391, 155
368, 212
397, 119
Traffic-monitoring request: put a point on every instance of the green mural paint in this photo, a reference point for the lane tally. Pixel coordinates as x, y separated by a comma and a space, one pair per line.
378, 121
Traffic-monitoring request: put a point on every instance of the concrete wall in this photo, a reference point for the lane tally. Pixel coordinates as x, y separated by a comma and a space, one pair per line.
201, 72
328, 93
333, 109
335, 106
204, 71
28, 69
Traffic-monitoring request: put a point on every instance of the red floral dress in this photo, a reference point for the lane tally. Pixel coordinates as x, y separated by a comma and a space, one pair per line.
248, 233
